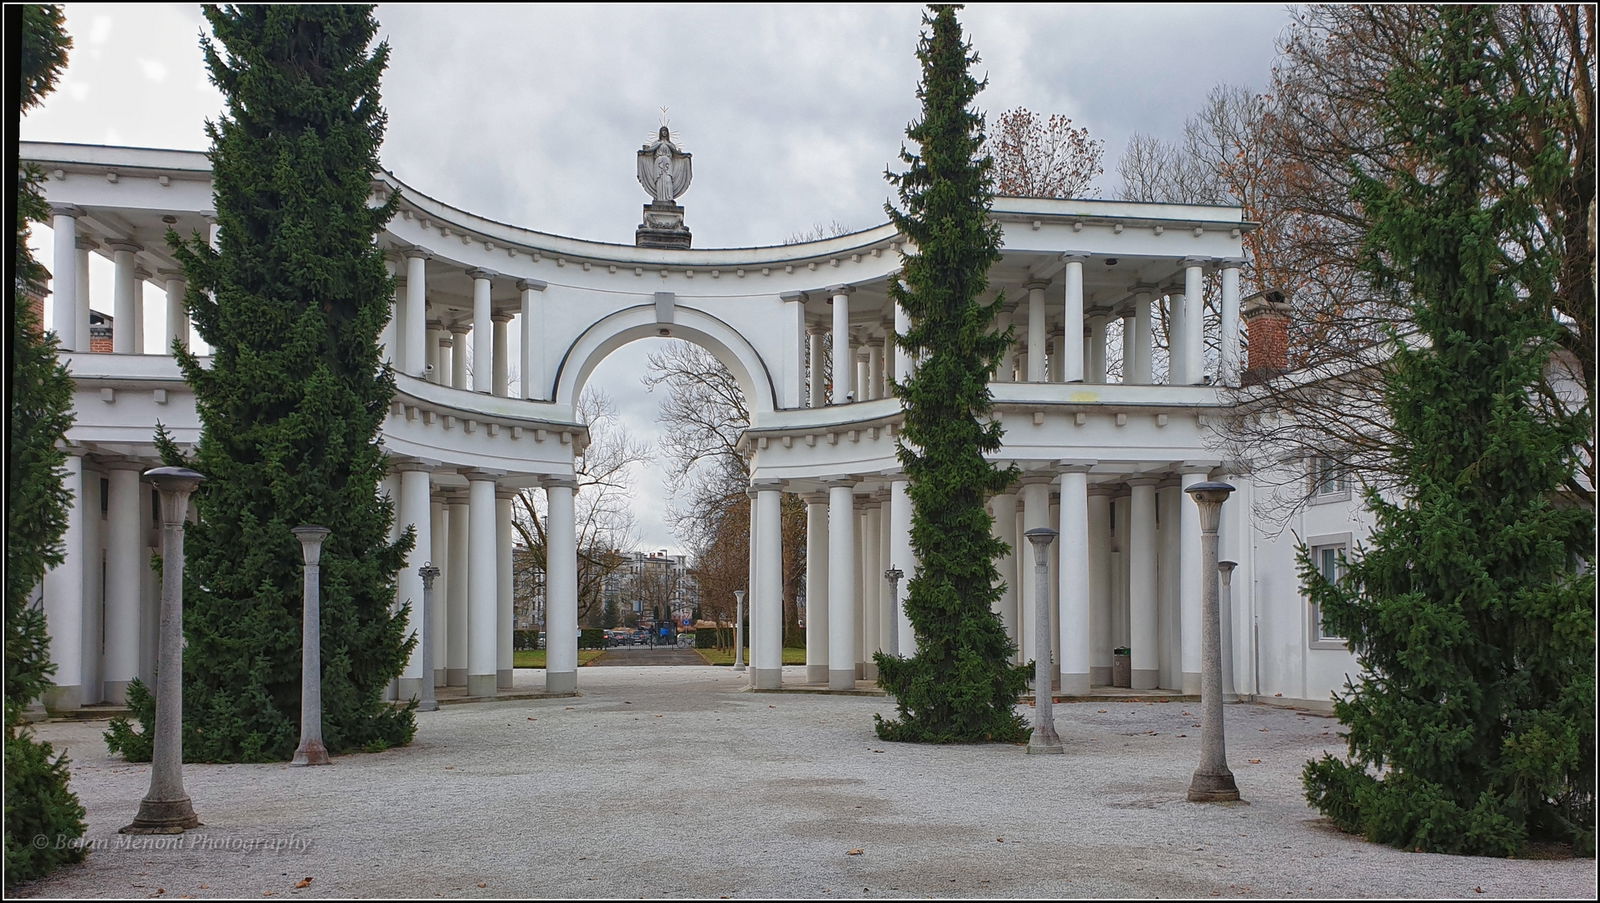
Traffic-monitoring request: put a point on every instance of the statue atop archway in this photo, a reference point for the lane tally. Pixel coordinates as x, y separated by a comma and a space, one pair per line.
664, 172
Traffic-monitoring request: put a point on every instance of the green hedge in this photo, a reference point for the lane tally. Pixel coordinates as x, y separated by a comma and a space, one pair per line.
712, 639
592, 638
524, 640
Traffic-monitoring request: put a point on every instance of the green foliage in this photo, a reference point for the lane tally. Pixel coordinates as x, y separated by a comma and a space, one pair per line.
291, 305
592, 638
37, 801
960, 687
1471, 728
524, 640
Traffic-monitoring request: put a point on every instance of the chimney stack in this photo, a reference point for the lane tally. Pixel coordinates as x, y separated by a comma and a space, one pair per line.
1266, 317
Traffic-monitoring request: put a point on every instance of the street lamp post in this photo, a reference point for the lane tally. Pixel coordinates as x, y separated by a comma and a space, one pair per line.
1044, 740
166, 808
1225, 614
427, 702
892, 641
738, 630
311, 751
1212, 781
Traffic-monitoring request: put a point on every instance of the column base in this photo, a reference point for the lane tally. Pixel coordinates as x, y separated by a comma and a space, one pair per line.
455, 677
409, 688
844, 679
1100, 676
1191, 683
503, 679
1145, 679
816, 674
861, 670
1213, 788
311, 752
561, 681
766, 678
117, 692
61, 699
1074, 684
869, 671
441, 678
483, 685
163, 817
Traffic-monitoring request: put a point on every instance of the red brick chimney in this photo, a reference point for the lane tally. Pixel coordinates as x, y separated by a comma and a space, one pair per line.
1266, 317
99, 332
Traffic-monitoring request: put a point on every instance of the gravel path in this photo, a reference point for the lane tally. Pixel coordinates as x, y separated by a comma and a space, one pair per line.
672, 783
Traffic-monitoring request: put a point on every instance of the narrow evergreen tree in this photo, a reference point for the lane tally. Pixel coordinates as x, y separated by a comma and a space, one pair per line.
38, 803
1471, 727
292, 305
960, 687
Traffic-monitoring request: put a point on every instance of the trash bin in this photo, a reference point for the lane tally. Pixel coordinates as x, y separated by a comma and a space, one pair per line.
1121, 668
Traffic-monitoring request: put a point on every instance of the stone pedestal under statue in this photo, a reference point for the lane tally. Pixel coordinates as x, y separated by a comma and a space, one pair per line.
662, 227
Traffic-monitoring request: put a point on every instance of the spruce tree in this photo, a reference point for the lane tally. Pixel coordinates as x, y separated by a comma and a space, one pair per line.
292, 304
1471, 726
960, 687
38, 803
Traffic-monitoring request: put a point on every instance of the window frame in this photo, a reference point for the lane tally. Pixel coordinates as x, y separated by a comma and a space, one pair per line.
1339, 544
1322, 472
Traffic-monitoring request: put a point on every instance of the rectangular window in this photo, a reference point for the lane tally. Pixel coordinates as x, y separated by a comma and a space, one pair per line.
1328, 558
1328, 482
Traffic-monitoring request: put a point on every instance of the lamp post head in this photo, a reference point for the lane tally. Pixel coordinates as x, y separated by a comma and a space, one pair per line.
739, 595
1041, 537
175, 484
1226, 567
428, 572
1210, 496
893, 574
311, 541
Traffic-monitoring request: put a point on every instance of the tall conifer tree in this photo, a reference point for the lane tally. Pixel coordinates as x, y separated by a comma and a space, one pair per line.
1471, 727
960, 687
38, 803
292, 305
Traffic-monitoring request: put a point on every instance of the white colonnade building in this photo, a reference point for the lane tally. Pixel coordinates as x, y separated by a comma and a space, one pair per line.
1106, 426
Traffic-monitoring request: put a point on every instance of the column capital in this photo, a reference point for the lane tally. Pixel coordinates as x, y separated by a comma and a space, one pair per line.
818, 330
558, 483
121, 244
459, 327
1199, 466
1036, 285
419, 251
481, 474
767, 485
504, 493
71, 210
85, 243
840, 482
402, 465
453, 495
479, 273
119, 463
1075, 465
501, 316
1075, 256
836, 290
1196, 261
1037, 477
168, 274
1144, 288
814, 498
794, 296
1230, 263
532, 285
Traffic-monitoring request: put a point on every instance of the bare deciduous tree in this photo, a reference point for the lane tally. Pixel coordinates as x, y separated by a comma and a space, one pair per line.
1043, 156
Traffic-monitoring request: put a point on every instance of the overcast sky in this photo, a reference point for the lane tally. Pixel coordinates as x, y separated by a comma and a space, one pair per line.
531, 115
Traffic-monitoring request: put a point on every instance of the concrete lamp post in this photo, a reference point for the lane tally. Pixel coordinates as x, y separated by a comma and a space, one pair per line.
892, 641
1225, 615
1044, 740
1212, 781
426, 702
738, 630
166, 808
311, 751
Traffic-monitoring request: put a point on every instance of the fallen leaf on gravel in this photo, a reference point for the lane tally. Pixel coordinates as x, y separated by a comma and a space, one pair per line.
483, 884
1254, 762
1277, 694
771, 706
304, 882
1477, 890
855, 852
533, 719
571, 707
1183, 735
627, 702
1262, 729
1100, 711
999, 840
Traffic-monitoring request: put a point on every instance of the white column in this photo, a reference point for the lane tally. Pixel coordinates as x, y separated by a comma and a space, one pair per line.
903, 362
1141, 557
766, 652
482, 332
874, 384
816, 580
1008, 358
483, 590
439, 617
414, 356
1074, 576
177, 313
1058, 359
561, 589
1097, 350
1035, 513
873, 589
64, 597
1036, 333
902, 557
125, 305
505, 620
1127, 353
502, 370
459, 377
1189, 585
457, 565
863, 383
84, 245
1229, 327
1193, 336
94, 599
1142, 345
1005, 530
1073, 317
64, 279
843, 363
414, 512
843, 610
127, 508
818, 394
437, 342
1100, 590
533, 350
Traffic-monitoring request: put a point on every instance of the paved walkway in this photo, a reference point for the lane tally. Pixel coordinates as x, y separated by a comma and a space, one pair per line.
636, 656
674, 782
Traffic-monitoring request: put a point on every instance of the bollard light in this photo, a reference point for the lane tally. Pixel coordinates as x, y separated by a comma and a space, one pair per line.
738, 630
892, 641
426, 702
311, 751
1212, 781
1043, 740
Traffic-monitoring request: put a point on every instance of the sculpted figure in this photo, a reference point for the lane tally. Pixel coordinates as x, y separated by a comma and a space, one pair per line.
664, 169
